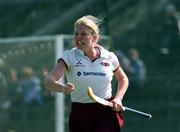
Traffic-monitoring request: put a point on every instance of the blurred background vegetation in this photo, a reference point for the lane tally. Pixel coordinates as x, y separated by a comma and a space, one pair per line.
151, 26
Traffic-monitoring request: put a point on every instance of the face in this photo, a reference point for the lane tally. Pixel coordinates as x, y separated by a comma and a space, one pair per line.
84, 37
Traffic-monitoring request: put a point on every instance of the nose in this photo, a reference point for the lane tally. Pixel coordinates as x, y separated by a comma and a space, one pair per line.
78, 37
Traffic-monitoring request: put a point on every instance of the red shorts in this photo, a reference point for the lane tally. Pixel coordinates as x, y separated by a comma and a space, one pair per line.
93, 117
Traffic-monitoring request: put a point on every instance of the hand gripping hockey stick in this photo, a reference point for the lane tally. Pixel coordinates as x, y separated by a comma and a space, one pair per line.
110, 104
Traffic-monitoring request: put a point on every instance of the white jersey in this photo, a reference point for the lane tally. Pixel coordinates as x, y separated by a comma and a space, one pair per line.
83, 72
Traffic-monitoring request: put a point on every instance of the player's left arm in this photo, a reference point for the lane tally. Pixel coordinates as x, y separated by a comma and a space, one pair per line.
122, 86
123, 83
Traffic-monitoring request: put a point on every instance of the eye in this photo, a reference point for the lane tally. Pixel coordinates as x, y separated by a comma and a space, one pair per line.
76, 34
84, 34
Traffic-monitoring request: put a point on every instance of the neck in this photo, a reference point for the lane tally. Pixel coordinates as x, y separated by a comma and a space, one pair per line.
93, 53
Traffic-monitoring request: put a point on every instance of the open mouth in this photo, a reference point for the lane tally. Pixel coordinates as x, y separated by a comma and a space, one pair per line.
80, 43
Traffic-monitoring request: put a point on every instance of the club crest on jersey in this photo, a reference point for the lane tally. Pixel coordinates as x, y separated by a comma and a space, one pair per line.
105, 64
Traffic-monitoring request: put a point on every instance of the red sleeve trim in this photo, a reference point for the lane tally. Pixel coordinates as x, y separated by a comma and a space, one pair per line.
116, 69
60, 59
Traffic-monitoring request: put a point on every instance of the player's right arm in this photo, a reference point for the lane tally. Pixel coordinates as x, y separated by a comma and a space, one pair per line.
51, 81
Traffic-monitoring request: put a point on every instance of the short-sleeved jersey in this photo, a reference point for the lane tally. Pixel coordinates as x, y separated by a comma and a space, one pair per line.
83, 72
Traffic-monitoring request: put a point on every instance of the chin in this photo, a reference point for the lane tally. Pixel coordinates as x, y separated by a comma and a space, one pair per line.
79, 47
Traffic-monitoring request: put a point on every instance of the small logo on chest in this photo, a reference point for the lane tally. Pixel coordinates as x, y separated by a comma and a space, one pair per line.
79, 63
105, 64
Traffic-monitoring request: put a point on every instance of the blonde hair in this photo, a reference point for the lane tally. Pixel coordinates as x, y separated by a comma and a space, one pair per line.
91, 22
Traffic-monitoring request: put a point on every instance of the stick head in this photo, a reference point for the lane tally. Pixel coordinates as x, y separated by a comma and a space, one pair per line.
90, 93
98, 99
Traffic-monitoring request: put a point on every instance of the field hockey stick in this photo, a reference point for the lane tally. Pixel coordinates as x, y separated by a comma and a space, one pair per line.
110, 104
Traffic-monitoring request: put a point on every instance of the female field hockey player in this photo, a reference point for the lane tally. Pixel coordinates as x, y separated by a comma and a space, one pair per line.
89, 64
